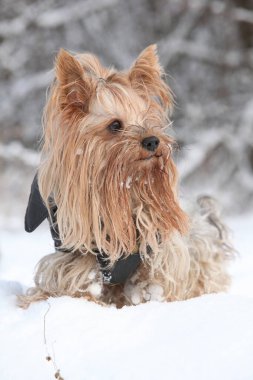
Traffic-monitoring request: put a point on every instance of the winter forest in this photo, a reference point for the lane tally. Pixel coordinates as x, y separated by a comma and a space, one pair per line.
206, 48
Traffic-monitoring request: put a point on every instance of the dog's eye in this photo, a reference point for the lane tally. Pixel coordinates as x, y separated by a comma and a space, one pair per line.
115, 126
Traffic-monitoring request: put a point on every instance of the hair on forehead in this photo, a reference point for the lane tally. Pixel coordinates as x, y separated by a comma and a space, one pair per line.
92, 66
119, 97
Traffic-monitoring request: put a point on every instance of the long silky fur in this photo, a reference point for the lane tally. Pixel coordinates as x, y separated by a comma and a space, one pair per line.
111, 197
87, 174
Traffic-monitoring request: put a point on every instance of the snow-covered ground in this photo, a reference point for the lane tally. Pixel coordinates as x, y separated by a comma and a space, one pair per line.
209, 337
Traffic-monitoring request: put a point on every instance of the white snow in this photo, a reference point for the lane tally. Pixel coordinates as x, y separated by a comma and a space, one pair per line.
128, 182
206, 338
15, 150
95, 289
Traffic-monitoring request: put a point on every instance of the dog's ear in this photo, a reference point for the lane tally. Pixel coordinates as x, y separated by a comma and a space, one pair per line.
146, 74
146, 66
73, 81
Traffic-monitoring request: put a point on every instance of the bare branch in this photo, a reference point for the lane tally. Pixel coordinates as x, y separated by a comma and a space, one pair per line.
243, 15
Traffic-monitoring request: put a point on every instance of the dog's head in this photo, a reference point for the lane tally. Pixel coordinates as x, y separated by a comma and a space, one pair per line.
106, 158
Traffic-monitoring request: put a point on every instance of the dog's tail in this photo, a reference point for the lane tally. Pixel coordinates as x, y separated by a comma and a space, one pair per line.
210, 210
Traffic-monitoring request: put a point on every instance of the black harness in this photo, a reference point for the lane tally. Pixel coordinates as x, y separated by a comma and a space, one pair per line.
37, 212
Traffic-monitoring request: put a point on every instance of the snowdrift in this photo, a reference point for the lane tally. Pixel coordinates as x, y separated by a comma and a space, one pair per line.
209, 337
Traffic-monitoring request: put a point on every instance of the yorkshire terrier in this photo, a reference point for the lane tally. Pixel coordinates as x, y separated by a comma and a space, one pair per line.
108, 185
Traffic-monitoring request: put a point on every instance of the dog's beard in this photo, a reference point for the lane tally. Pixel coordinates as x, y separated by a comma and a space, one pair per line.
112, 198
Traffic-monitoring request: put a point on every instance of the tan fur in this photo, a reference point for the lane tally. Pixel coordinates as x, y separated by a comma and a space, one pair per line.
114, 195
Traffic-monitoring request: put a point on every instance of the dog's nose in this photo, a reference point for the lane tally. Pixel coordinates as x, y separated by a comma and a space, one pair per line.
150, 143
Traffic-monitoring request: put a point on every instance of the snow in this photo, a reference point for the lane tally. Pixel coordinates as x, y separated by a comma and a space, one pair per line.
53, 19
128, 182
210, 337
16, 151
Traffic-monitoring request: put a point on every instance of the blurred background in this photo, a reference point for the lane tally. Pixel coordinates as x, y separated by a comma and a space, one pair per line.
206, 47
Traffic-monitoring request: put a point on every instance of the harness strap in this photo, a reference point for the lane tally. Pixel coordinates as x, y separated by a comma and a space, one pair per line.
123, 268
37, 212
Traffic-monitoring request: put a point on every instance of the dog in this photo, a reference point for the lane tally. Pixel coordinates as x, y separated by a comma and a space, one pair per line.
107, 183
